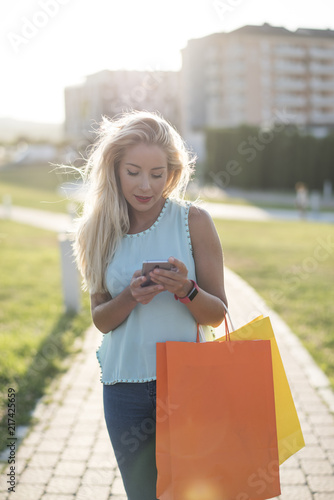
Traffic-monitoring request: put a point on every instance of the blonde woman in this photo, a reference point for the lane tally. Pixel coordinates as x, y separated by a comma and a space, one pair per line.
137, 175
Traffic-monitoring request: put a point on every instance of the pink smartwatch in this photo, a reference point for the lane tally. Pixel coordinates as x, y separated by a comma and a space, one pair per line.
191, 295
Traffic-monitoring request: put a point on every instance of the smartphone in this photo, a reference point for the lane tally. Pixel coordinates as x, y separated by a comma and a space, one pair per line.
149, 265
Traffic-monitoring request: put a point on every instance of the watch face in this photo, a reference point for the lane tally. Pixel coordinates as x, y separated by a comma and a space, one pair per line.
193, 294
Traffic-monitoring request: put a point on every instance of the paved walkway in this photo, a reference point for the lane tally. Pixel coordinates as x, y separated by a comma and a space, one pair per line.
67, 455
59, 222
249, 212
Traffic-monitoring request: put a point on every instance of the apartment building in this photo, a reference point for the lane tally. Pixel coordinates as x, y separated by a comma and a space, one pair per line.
110, 93
258, 75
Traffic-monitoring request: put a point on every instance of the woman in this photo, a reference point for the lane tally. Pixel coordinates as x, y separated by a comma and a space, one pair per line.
137, 175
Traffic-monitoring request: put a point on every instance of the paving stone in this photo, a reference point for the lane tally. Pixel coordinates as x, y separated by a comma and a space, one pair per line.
321, 483
63, 485
321, 418
324, 430
295, 493
57, 433
73, 454
292, 476
330, 454
77, 441
36, 475
311, 439
313, 452
91, 492
291, 463
102, 477
33, 438
327, 443
44, 459
323, 496
86, 429
51, 496
51, 446
105, 460
117, 487
24, 452
312, 409
316, 467
306, 426
27, 492
70, 468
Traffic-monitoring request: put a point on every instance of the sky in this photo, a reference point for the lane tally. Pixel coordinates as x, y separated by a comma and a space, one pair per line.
47, 45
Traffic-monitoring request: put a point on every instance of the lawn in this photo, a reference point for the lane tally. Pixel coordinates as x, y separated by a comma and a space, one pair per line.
291, 265
35, 333
36, 186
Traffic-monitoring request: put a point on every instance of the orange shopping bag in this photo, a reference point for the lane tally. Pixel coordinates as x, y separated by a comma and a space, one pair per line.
218, 439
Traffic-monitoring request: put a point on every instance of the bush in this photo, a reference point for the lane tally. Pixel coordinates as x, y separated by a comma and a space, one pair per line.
252, 158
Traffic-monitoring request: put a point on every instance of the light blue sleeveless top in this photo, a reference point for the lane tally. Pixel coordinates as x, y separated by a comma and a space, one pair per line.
128, 353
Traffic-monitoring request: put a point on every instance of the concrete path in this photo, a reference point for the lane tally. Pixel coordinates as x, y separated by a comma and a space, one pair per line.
249, 212
61, 222
67, 455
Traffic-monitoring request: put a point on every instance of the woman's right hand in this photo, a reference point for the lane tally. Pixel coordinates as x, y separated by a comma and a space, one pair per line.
143, 295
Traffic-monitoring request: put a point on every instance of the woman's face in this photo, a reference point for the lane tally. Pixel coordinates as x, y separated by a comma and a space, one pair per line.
143, 174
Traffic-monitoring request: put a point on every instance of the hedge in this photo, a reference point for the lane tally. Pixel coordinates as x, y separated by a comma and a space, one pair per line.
252, 158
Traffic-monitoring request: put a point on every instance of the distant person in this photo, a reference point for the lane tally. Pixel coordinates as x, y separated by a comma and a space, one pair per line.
301, 199
134, 212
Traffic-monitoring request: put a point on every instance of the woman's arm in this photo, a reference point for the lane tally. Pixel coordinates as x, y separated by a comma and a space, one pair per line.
108, 313
207, 307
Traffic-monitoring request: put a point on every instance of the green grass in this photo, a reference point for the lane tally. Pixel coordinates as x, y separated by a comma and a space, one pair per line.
34, 198
36, 186
36, 335
291, 265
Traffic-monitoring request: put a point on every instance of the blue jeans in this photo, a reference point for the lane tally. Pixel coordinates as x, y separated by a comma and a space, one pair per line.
129, 410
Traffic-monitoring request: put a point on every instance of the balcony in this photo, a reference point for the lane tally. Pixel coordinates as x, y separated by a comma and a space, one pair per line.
290, 51
286, 67
322, 101
323, 118
290, 100
235, 101
317, 84
212, 87
322, 69
233, 85
298, 117
211, 70
321, 52
290, 84
234, 68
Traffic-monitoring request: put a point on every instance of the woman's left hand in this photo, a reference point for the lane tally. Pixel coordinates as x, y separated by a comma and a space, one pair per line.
175, 282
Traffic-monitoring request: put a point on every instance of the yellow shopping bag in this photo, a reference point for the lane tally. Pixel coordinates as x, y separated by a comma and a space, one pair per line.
289, 434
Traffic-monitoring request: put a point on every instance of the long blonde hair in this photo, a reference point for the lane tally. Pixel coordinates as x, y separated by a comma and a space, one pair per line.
105, 219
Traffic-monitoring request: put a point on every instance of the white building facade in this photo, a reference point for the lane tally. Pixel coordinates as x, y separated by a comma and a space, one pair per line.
256, 74
109, 93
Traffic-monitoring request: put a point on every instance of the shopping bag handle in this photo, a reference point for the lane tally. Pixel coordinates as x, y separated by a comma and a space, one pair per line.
227, 330
229, 318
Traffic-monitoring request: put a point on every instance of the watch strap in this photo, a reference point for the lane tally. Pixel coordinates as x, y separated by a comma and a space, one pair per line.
191, 295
